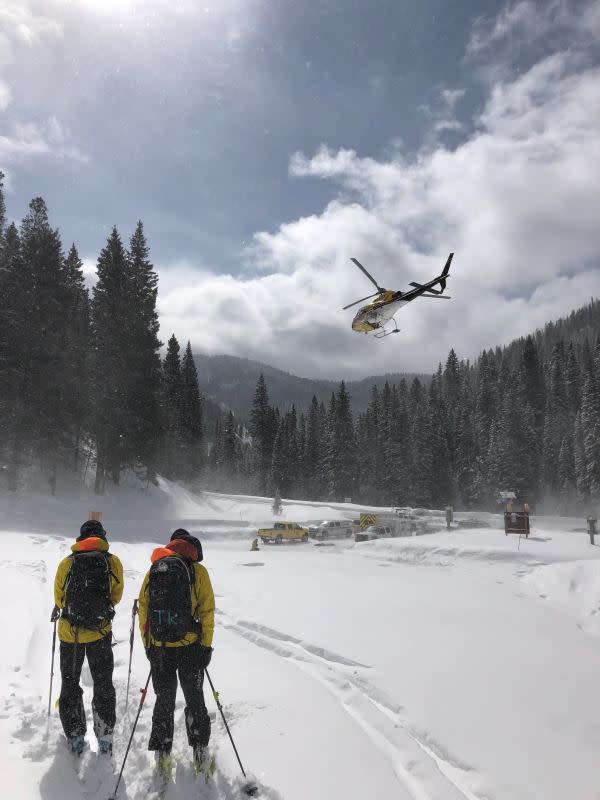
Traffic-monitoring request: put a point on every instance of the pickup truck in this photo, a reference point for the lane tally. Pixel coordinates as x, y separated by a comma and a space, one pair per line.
283, 531
331, 529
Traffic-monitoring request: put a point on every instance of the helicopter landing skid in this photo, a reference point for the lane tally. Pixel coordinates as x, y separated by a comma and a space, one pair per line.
383, 333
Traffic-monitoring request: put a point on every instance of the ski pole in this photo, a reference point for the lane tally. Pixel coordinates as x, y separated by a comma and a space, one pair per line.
143, 691
131, 636
220, 707
53, 618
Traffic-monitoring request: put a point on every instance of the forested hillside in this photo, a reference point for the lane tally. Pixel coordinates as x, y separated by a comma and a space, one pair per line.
525, 417
230, 382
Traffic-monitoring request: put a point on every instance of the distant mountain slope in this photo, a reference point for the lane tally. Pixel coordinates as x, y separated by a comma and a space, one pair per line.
231, 381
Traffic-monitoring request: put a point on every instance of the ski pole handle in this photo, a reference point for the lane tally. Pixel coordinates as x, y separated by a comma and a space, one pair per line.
134, 611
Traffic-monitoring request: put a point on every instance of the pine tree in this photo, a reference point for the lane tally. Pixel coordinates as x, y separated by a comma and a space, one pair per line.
486, 405
590, 424
279, 475
313, 451
145, 425
230, 451
532, 379
262, 431
49, 408
468, 469
341, 452
111, 385
442, 483
76, 377
190, 421
401, 451
580, 461
566, 475
422, 456
174, 412
573, 381
16, 309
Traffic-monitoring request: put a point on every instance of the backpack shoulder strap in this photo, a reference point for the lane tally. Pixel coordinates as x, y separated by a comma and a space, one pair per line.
68, 575
108, 559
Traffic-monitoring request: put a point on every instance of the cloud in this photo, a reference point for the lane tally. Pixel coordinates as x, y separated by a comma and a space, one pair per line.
28, 140
517, 201
529, 22
21, 23
5, 95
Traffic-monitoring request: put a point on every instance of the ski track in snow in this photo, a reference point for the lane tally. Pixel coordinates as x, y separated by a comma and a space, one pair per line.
423, 767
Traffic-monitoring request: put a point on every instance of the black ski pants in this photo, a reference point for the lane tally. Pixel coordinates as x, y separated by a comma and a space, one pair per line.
101, 663
166, 663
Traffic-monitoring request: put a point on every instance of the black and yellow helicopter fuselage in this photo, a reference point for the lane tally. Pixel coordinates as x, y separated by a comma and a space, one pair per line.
373, 317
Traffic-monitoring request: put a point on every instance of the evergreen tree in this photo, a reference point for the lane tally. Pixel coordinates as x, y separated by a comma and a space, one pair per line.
145, 428
580, 461
573, 381
422, 457
341, 453
442, 483
566, 475
48, 407
174, 412
279, 477
590, 423
401, 450
313, 451
467, 459
16, 309
76, 377
110, 381
532, 379
261, 428
190, 420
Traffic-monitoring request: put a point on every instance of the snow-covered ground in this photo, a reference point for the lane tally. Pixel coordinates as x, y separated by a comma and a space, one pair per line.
452, 666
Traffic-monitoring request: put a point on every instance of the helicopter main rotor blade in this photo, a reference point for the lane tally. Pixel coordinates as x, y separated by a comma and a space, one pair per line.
356, 302
369, 276
436, 296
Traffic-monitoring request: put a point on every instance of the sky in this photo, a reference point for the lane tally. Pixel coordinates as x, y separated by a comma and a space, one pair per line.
265, 142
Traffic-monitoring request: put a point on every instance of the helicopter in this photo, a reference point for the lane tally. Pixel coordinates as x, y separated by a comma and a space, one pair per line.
375, 315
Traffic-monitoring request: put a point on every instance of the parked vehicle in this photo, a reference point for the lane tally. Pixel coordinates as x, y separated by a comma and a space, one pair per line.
283, 531
374, 532
331, 529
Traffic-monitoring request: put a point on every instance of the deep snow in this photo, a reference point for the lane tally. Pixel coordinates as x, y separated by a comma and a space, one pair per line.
443, 667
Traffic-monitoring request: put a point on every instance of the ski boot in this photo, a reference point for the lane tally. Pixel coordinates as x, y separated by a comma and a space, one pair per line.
204, 762
76, 745
105, 745
164, 763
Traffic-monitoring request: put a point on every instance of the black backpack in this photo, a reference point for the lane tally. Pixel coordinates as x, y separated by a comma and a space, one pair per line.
87, 599
170, 599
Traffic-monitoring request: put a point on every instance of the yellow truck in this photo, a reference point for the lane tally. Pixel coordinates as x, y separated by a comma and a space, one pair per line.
282, 532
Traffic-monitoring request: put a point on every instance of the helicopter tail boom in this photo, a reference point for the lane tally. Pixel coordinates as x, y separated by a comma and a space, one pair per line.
441, 280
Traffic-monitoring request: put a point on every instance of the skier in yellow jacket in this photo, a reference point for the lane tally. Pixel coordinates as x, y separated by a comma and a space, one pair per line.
87, 587
176, 617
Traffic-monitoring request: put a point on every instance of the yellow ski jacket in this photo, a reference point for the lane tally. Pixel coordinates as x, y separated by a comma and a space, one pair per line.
203, 606
66, 631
